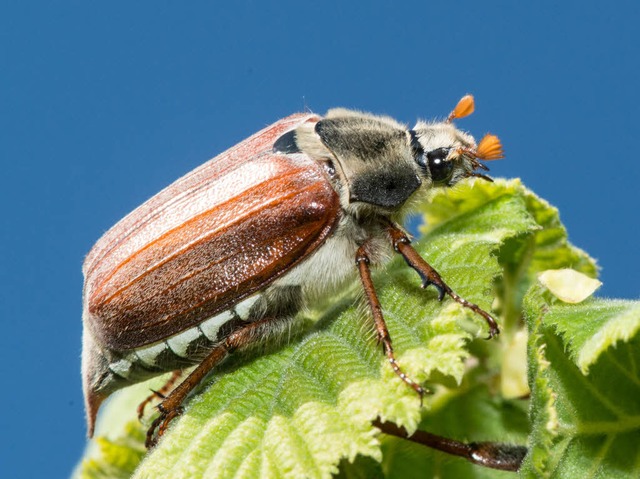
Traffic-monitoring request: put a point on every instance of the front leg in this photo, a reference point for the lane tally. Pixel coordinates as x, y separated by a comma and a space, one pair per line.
401, 244
362, 260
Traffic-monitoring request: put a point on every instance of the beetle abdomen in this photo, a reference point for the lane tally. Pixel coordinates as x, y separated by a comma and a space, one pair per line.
117, 369
176, 352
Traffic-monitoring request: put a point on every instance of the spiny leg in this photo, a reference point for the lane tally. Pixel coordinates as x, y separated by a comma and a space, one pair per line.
401, 244
252, 333
362, 260
160, 393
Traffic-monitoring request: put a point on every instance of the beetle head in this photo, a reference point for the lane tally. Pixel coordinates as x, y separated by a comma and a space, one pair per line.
445, 155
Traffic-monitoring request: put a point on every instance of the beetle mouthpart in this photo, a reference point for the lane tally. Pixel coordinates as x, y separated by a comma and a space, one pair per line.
480, 175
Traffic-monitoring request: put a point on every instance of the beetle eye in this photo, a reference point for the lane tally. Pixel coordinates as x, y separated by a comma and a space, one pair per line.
439, 167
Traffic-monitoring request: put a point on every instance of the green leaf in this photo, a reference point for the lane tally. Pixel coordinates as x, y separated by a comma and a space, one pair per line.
118, 448
117, 458
591, 328
522, 256
585, 411
300, 411
303, 409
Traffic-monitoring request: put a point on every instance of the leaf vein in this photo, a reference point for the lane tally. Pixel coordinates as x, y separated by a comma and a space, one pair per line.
622, 369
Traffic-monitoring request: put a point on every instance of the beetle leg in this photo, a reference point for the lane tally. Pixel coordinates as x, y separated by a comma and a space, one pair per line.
401, 244
362, 261
505, 457
160, 393
252, 333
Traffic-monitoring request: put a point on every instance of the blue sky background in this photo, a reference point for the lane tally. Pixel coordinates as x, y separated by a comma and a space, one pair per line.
103, 104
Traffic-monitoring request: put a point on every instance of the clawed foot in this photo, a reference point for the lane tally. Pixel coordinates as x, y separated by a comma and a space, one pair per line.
441, 291
161, 423
442, 288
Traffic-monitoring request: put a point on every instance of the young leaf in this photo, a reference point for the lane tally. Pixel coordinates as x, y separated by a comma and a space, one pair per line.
585, 410
522, 257
593, 327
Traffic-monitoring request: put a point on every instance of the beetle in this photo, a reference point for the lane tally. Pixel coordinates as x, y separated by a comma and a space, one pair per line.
224, 258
